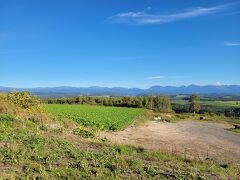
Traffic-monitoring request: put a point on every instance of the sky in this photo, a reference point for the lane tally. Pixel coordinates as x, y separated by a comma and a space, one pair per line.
115, 43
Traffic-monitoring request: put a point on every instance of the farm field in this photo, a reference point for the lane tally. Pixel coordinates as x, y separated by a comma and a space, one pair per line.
221, 103
107, 118
212, 103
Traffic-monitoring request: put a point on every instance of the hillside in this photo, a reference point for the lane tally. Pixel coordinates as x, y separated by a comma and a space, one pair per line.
37, 146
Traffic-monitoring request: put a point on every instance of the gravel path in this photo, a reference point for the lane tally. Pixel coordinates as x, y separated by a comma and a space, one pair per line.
189, 138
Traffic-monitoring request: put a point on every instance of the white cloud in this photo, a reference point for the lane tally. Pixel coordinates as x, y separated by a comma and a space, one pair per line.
157, 77
233, 43
143, 18
217, 84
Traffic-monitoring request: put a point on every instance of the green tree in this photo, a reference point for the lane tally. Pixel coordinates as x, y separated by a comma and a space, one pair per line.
139, 102
194, 105
144, 101
162, 104
110, 101
148, 102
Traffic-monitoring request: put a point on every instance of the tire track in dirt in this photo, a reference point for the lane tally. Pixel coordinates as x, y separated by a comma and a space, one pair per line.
191, 138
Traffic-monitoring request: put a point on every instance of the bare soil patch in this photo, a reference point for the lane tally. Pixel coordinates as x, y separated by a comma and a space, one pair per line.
192, 139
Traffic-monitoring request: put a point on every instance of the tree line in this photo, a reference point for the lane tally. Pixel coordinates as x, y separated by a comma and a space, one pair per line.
156, 103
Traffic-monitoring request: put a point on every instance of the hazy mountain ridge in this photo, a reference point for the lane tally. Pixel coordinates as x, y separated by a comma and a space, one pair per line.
96, 90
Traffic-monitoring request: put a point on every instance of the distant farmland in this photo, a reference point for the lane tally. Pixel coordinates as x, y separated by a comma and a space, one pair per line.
108, 118
212, 103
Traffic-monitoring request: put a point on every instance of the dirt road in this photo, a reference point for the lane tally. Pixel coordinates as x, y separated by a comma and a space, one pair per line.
189, 138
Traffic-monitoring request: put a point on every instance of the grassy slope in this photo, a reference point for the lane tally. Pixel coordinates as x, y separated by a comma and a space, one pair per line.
48, 149
30, 150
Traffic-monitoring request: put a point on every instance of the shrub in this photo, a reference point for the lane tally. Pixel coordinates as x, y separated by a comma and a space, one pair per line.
23, 106
234, 112
83, 132
23, 99
33, 119
180, 108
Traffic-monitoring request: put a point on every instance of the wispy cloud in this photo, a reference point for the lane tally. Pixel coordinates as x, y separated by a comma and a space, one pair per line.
157, 77
169, 77
143, 18
232, 43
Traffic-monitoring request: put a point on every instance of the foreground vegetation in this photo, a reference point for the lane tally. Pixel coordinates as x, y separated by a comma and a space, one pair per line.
35, 146
29, 151
100, 117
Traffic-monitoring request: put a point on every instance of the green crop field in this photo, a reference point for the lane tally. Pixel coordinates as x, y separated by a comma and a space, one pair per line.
212, 103
108, 118
222, 103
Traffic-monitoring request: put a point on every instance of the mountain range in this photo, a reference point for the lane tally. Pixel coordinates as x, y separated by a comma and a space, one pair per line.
121, 91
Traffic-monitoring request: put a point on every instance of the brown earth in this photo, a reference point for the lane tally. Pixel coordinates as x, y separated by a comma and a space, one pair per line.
192, 139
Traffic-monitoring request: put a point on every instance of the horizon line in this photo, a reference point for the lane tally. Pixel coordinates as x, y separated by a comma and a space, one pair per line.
96, 86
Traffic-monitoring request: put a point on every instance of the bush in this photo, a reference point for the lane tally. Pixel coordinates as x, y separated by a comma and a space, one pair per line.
234, 112
23, 99
23, 106
180, 108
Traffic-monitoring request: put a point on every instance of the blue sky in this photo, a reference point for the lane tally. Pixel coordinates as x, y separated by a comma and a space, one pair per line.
119, 42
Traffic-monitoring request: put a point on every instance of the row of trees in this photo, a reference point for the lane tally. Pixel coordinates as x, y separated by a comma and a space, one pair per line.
156, 103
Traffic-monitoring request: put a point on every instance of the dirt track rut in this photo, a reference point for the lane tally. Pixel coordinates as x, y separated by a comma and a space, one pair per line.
189, 138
